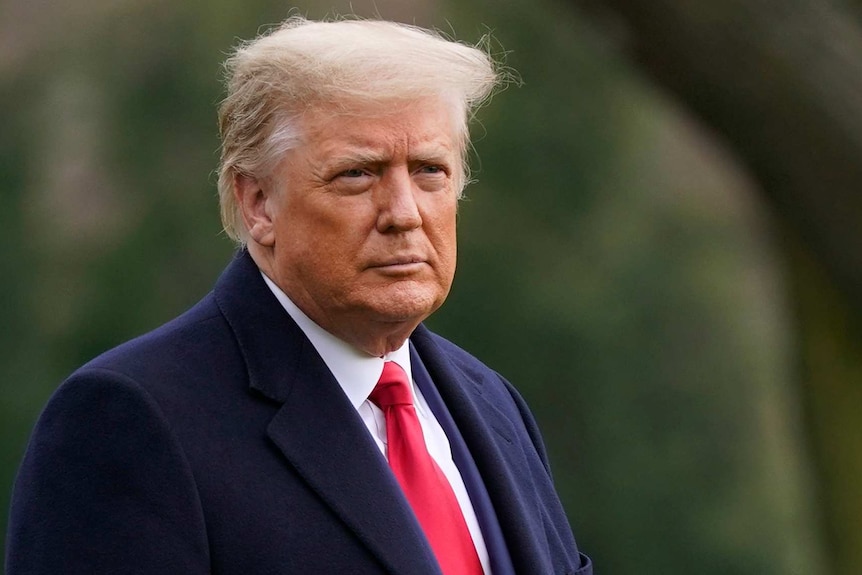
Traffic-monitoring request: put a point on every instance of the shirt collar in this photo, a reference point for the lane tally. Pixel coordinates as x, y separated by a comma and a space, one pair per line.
356, 372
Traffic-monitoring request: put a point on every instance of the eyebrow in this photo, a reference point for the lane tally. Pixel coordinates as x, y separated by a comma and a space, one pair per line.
359, 156
433, 152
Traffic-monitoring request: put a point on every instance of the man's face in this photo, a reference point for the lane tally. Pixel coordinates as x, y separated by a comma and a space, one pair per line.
364, 218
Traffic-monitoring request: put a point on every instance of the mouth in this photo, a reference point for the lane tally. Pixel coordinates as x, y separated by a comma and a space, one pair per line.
399, 265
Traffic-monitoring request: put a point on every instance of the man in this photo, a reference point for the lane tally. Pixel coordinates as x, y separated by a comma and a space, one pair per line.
300, 419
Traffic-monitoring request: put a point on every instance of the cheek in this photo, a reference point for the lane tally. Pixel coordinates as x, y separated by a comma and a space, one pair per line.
445, 236
327, 230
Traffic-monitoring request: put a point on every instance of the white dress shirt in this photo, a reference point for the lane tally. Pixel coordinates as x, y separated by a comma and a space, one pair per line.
357, 374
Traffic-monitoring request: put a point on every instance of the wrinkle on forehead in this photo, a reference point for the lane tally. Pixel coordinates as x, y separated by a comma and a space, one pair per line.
315, 120
402, 132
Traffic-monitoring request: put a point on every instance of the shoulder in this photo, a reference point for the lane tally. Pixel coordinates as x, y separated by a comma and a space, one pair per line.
198, 336
485, 383
127, 408
472, 368
430, 343
163, 376
477, 377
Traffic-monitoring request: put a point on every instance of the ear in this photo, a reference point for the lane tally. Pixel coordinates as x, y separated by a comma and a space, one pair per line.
255, 203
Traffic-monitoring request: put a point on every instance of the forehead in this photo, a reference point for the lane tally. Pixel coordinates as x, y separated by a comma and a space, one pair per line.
429, 124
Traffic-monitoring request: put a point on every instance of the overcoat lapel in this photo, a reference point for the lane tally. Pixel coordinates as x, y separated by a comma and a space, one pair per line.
490, 437
316, 428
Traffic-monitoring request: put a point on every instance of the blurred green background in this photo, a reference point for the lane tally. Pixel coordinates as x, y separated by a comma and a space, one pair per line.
628, 255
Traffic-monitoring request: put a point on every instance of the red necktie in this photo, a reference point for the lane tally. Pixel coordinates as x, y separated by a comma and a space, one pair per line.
422, 481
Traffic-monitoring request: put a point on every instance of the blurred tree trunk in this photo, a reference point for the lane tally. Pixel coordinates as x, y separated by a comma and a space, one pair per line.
781, 82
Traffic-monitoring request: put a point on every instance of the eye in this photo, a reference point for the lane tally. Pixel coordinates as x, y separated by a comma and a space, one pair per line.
353, 181
432, 177
432, 169
352, 173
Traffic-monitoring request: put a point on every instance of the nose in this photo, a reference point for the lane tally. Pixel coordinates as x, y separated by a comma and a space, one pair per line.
398, 210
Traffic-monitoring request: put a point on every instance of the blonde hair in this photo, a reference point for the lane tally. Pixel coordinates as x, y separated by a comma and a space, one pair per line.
302, 64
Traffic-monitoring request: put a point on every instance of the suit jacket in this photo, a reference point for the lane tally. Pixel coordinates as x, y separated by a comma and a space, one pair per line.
220, 443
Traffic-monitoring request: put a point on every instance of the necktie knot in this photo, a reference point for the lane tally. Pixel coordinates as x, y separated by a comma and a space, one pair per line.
393, 387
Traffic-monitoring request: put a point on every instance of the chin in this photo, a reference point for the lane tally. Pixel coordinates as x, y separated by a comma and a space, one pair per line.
407, 307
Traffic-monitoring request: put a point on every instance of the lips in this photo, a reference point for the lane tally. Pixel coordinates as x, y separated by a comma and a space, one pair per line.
401, 265
398, 260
